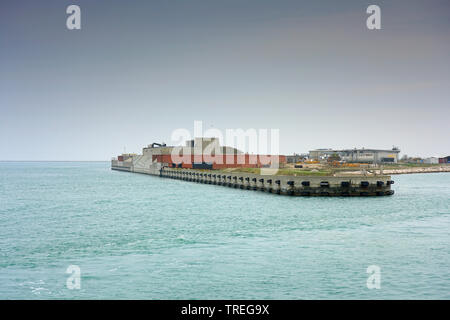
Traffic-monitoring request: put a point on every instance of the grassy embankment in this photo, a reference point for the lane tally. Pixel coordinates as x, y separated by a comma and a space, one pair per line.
287, 171
328, 170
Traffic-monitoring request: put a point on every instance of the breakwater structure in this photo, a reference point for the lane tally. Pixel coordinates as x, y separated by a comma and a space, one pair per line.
156, 160
287, 185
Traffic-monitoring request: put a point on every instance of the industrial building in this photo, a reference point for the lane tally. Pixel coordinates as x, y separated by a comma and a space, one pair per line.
363, 155
295, 158
200, 153
444, 159
431, 160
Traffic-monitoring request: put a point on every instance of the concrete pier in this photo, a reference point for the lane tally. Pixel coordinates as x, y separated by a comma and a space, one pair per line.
288, 185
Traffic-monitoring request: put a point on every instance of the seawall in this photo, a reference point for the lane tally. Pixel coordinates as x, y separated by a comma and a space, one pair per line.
283, 185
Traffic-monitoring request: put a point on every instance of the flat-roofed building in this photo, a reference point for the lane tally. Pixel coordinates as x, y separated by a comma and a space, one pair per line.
294, 158
431, 160
358, 155
444, 159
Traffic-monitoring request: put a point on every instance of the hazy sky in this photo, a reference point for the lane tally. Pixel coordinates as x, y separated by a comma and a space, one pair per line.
137, 70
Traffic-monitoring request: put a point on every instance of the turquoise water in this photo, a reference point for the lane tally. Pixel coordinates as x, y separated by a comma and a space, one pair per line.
136, 236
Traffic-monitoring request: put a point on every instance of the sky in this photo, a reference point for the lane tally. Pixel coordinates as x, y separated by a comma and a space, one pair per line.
138, 70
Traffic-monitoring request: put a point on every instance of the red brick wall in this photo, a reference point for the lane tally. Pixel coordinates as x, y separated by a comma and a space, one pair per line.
223, 161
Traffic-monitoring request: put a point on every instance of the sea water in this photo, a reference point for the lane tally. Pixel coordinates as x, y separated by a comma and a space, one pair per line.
135, 236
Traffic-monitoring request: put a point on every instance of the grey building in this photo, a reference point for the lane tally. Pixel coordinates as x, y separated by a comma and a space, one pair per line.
431, 160
358, 155
295, 158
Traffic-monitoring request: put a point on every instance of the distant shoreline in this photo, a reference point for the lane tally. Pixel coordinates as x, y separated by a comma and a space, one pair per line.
412, 170
417, 170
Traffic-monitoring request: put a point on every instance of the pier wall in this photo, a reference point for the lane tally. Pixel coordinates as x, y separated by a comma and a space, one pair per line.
288, 185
